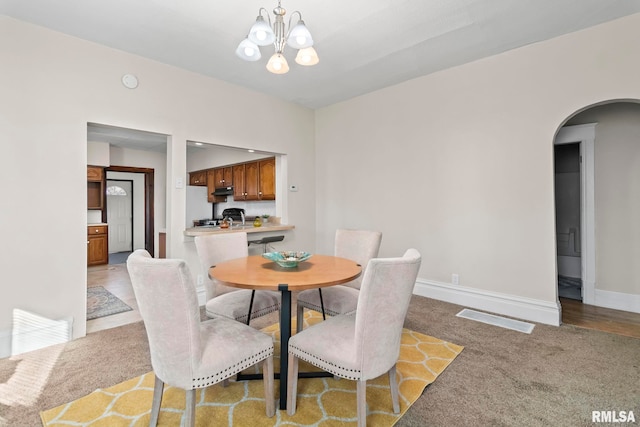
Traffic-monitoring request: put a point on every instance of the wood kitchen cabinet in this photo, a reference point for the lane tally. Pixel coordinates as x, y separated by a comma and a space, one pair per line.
267, 179
245, 178
211, 187
95, 187
223, 177
238, 179
255, 180
198, 178
97, 245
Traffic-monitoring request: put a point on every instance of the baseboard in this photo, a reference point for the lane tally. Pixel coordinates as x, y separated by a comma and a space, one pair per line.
617, 300
508, 305
202, 295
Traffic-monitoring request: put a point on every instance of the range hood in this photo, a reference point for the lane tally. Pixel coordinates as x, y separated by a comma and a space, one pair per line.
224, 191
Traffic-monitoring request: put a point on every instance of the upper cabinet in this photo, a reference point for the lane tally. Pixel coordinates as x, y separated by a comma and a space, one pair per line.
198, 178
238, 179
223, 177
255, 180
211, 187
95, 187
267, 179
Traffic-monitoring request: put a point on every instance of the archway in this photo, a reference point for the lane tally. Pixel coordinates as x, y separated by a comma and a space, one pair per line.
609, 235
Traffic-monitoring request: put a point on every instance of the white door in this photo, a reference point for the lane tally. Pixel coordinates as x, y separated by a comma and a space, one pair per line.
119, 215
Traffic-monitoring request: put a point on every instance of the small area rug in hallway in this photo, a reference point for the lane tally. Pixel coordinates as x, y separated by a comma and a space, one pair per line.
101, 302
321, 401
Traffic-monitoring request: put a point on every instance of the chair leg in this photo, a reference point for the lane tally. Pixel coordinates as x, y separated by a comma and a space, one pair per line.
361, 393
190, 409
253, 294
300, 318
324, 316
293, 384
158, 387
267, 375
393, 385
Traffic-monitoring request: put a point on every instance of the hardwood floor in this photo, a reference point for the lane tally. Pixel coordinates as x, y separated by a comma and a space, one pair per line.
599, 318
115, 279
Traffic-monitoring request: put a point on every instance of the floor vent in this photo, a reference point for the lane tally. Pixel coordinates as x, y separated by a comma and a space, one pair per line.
491, 319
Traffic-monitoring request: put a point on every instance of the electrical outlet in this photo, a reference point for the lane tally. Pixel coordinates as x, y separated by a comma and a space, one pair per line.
455, 279
200, 279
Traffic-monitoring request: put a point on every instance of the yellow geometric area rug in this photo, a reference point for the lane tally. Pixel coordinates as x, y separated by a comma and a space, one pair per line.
322, 402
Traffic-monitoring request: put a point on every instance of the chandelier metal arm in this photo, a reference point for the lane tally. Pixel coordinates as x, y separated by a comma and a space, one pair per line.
266, 14
290, 18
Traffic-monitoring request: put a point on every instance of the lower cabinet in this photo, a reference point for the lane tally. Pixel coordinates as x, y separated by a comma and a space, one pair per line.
97, 245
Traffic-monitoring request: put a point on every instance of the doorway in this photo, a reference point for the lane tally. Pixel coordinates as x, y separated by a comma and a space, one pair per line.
568, 225
577, 236
145, 219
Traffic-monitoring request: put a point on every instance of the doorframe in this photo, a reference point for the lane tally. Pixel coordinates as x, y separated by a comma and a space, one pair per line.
585, 136
132, 219
149, 227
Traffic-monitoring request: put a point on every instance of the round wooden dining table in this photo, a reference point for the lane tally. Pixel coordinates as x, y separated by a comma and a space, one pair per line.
258, 273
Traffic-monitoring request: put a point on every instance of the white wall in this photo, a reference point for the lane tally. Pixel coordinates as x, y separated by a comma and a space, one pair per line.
459, 164
66, 83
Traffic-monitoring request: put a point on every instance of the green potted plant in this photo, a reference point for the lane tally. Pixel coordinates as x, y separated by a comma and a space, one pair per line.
265, 218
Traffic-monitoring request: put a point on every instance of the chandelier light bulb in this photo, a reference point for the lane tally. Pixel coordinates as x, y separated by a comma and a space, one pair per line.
261, 33
248, 50
307, 57
278, 64
299, 36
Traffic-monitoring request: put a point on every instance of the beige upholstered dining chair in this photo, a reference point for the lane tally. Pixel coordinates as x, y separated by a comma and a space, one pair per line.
186, 352
357, 245
224, 300
366, 344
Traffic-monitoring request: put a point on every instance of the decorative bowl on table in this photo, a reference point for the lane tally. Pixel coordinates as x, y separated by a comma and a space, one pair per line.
288, 259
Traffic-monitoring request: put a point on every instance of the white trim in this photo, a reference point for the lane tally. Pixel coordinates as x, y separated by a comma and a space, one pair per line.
617, 300
202, 295
509, 305
585, 135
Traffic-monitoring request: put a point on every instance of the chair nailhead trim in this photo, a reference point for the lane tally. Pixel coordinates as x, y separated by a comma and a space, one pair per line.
243, 319
232, 370
350, 374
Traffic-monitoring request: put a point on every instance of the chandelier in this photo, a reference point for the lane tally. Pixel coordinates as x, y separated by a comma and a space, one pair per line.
263, 34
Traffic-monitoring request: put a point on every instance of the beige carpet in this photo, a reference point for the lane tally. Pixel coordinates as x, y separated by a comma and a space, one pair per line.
321, 401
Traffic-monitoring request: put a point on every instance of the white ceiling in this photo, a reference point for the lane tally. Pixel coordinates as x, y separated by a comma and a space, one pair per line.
363, 45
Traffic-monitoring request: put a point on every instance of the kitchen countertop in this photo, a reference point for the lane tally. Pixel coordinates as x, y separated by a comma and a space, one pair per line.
249, 228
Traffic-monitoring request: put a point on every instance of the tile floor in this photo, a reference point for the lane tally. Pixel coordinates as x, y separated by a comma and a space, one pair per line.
115, 279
